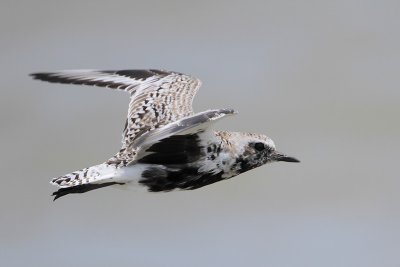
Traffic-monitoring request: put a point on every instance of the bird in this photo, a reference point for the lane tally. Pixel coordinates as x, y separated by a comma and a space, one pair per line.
165, 145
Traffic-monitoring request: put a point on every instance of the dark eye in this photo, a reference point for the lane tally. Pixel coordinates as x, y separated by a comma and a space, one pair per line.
259, 146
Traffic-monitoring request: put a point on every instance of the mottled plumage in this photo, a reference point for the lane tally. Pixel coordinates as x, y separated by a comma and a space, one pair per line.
165, 146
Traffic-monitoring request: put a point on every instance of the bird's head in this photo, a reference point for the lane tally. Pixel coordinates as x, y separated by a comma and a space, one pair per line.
255, 150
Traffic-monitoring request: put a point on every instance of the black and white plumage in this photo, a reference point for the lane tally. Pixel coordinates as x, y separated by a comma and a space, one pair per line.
165, 146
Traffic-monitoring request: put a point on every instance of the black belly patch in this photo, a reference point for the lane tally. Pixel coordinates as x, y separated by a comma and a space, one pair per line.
176, 164
158, 180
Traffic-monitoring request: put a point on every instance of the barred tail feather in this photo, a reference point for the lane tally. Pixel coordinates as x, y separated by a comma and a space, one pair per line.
85, 180
85, 176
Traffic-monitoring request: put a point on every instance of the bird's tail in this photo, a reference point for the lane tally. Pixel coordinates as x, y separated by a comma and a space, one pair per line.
84, 180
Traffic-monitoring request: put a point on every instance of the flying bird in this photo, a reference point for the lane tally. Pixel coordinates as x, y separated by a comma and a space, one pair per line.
165, 145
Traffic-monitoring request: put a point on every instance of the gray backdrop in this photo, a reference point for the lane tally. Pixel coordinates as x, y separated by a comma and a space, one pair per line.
321, 78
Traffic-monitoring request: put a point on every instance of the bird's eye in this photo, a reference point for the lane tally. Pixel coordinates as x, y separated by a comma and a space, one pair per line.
259, 146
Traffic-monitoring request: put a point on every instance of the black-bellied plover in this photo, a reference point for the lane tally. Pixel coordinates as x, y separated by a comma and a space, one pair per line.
165, 146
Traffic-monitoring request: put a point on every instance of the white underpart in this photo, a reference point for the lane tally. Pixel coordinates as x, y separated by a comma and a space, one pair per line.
131, 176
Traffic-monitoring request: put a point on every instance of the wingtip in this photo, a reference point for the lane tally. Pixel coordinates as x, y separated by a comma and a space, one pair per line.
230, 111
39, 75
33, 75
55, 197
59, 193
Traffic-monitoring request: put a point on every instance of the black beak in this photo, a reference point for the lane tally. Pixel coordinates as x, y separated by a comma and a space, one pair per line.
281, 157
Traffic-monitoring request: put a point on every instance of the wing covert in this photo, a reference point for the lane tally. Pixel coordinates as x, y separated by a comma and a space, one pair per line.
191, 125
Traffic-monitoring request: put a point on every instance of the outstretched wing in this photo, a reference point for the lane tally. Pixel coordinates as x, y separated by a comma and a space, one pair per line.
158, 97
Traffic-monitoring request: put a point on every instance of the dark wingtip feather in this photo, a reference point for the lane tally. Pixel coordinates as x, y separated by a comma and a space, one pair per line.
55, 77
63, 191
56, 195
78, 189
43, 76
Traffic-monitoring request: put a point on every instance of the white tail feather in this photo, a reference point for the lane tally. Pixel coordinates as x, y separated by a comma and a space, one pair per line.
93, 175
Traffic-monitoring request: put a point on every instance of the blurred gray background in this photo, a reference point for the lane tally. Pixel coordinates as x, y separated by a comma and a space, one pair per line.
321, 78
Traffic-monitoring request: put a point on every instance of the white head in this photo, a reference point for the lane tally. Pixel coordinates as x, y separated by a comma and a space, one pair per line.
254, 150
